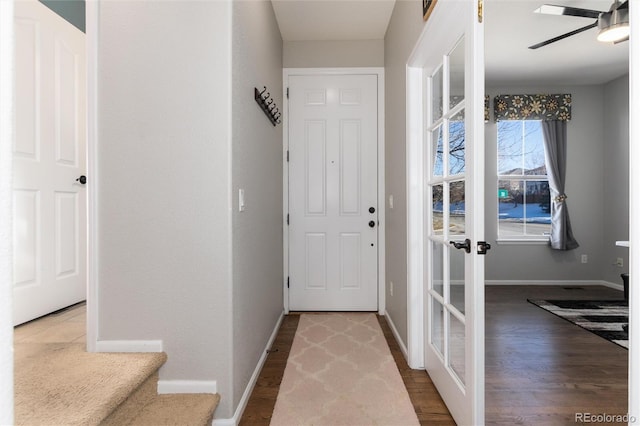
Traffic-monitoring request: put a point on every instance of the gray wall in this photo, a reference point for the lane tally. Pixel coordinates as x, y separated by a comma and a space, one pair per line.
584, 187
343, 53
616, 176
402, 34
597, 184
164, 180
73, 11
257, 168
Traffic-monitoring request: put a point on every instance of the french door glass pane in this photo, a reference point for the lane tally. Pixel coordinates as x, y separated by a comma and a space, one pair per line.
456, 75
456, 144
437, 206
456, 278
456, 208
438, 147
437, 98
437, 326
457, 347
437, 266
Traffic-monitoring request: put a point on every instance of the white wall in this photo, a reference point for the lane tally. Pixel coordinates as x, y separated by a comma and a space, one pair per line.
585, 181
6, 214
164, 150
257, 168
402, 34
342, 53
616, 177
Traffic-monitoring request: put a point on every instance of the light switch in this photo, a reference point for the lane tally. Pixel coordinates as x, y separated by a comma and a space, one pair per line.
241, 199
391, 201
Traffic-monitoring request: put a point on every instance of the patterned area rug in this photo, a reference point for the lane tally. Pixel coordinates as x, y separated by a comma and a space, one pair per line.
604, 318
340, 372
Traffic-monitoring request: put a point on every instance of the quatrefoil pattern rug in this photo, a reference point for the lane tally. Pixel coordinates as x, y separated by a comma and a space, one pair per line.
340, 372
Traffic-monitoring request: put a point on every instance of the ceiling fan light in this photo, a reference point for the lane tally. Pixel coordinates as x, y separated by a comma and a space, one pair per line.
614, 26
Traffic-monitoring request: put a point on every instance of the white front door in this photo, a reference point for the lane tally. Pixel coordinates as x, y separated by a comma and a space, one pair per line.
453, 128
333, 192
49, 237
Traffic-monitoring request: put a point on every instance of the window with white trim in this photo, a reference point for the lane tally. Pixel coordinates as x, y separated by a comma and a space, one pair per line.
524, 207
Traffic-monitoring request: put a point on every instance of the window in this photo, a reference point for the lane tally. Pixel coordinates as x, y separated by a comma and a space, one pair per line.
524, 205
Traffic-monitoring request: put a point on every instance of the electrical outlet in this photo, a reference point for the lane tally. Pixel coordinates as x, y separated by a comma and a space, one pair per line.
620, 262
391, 288
584, 258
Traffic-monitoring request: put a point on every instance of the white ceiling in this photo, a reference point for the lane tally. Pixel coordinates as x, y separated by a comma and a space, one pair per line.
511, 26
333, 20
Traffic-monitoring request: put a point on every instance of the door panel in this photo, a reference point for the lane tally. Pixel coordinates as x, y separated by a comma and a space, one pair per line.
49, 155
333, 237
453, 69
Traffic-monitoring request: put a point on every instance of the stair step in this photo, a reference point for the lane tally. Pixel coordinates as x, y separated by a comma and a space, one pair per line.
175, 410
60, 383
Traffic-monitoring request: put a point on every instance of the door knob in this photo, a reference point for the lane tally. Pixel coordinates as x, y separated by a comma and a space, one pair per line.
372, 224
82, 179
466, 245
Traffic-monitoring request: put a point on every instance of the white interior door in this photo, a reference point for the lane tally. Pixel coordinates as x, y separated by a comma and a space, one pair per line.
333, 198
49, 155
453, 74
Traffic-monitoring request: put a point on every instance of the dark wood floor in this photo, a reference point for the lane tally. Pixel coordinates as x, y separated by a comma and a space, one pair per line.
540, 369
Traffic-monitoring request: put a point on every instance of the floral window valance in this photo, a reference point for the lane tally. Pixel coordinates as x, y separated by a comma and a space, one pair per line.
532, 107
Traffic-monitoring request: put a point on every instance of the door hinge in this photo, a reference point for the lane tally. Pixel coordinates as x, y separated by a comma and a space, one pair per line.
480, 10
287, 93
287, 218
287, 282
287, 156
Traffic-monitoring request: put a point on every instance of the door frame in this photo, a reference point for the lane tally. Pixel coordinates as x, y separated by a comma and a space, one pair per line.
92, 20
379, 72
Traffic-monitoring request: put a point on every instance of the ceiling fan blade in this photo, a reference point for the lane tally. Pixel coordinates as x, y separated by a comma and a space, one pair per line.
569, 34
550, 9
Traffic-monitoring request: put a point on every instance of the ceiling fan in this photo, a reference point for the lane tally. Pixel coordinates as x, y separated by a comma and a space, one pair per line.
614, 24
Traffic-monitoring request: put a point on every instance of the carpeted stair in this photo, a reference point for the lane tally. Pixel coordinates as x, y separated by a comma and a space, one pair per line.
62, 384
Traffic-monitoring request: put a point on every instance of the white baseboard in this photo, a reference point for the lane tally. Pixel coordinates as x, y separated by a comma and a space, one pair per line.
252, 381
187, 386
394, 330
129, 346
566, 283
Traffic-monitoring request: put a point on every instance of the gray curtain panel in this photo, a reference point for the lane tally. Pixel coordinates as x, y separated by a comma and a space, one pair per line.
555, 152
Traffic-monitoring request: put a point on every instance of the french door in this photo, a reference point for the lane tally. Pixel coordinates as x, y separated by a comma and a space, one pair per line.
453, 130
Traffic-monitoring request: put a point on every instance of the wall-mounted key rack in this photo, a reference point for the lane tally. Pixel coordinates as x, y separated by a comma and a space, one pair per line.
266, 102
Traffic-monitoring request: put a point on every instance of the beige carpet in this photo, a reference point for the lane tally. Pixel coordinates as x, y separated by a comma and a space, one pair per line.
340, 372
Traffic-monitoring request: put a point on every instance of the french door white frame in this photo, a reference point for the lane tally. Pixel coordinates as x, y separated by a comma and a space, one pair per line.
417, 203
379, 72
634, 207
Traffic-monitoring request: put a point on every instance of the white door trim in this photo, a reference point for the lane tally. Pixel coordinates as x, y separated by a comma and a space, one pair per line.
379, 72
92, 17
634, 221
